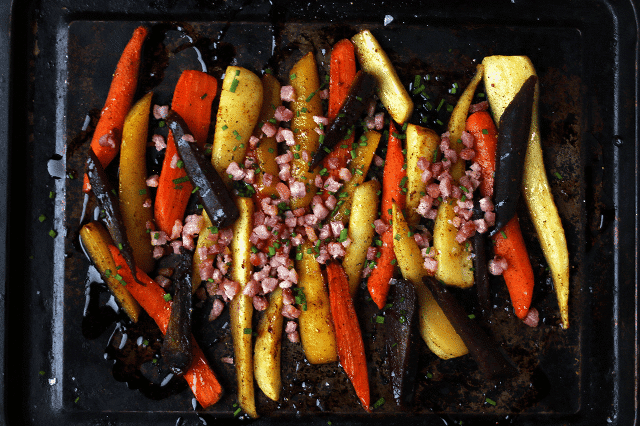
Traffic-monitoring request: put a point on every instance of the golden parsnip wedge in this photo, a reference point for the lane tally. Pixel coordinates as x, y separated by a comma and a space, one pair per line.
241, 307
266, 359
240, 102
306, 84
96, 240
375, 61
267, 150
435, 328
317, 333
364, 210
454, 259
133, 191
359, 168
421, 142
504, 75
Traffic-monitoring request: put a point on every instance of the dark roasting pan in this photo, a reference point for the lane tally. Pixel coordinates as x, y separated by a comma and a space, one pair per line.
60, 357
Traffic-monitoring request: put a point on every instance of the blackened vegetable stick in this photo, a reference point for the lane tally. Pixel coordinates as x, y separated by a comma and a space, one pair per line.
491, 361
177, 351
513, 139
110, 206
213, 193
354, 105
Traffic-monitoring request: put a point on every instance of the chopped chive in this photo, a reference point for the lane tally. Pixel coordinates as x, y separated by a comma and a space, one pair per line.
167, 297
490, 401
234, 85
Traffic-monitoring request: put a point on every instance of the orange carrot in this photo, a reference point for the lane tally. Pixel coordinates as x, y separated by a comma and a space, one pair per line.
392, 178
151, 296
378, 282
341, 74
118, 103
192, 100
508, 243
348, 334
393, 175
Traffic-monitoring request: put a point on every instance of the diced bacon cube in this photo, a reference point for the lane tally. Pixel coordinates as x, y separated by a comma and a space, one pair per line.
235, 171
287, 93
433, 190
284, 158
331, 184
108, 140
251, 288
498, 265
320, 212
260, 303
466, 230
282, 113
158, 238
160, 112
490, 218
380, 226
532, 318
371, 253
336, 250
344, 174
283, 191
332, 163
486, 205
254, 141
290, 311
298, 189
159, 142
153, 181
188, 138
331, 202
379, 120
158, 252
431, 265
216, 309
467, 154
269, 129
467, 139
290, 327
480, 106
294, 337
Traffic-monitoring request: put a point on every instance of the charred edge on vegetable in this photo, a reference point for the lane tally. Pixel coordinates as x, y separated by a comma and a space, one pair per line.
361, 90
177, 353
401, 340
481, 273
485, 351
108, 201
213, 193
513, 137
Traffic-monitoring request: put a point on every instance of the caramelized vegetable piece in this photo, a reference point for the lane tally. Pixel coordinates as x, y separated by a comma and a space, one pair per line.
435, 328
491, 361
96, 240
240, 101
421, 142
268, 347
132, 183
359, 167
504, 76
374, 60
352, 109
306, 84
177, 352
515, 125
201, 379
110, 207
317, 333
119, 99
364, 212
214, 194
241, 307
348, 335
480, 262
400, 332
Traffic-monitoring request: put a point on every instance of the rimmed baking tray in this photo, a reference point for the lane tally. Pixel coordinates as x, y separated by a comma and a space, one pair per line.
57, 61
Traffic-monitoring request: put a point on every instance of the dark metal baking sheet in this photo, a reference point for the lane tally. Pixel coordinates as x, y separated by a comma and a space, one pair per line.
61, 58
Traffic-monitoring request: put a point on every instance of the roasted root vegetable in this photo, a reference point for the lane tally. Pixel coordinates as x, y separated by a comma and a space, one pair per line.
359, 167
317, 333
177, 351
107, 135
421, 142
192, 99
96, 240
435, 328
348, 335
400, 331
240, 102
201, 379
515, 124
455, 266
364, 210
509, 243
374, 60
266, 151
241, 307
354, 105
491, 361
267, 350
132, 187
110, 206
503, 78
306, 84
209, 186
